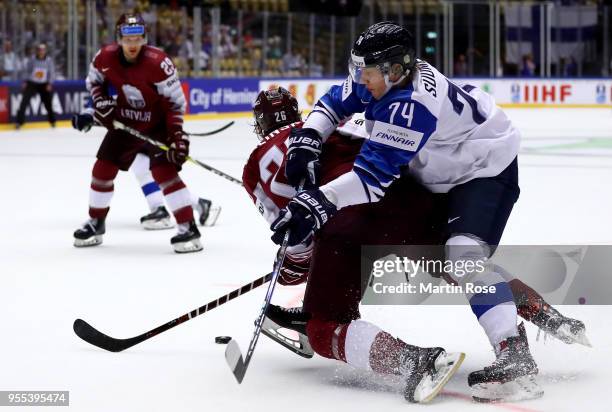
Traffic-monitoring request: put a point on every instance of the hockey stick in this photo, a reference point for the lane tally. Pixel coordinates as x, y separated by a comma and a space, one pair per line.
136, 133
91, 335
233, 355
219, 130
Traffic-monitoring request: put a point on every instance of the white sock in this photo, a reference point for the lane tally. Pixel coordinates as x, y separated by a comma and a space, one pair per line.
140, 168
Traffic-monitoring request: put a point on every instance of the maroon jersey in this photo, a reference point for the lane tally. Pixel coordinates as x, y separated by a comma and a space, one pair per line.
264, 174
149, 93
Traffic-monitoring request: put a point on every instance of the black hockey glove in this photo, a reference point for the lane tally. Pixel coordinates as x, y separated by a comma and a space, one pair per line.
303, 158
306, 213
105, 111
82, 122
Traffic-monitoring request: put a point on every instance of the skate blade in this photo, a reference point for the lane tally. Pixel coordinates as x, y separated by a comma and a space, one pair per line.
520, 389
158, 224
446, 366
583, 340
213, 215
565, 334
92, 241
300, 346
188, 247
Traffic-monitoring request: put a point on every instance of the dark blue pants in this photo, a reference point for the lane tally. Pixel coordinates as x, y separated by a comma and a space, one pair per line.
481, 207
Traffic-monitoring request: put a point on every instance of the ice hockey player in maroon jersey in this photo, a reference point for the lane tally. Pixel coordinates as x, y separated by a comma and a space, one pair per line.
335, 332
332, 263
149, 99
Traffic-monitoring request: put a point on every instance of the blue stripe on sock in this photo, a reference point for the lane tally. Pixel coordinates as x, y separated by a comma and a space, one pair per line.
150, 188
482, 302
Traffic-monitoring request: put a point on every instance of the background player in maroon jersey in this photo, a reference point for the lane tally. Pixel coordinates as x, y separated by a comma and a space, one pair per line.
149, 99
408, 215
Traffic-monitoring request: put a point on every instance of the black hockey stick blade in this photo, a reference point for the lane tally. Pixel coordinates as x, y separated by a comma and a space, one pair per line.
219, 130
91, 335
233, 357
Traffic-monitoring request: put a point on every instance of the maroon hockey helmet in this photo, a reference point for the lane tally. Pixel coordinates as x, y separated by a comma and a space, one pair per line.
130, 24
273, 109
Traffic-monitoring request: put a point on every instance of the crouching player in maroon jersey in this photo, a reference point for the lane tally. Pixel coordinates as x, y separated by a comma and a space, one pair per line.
409, 215
333, 293
149, 99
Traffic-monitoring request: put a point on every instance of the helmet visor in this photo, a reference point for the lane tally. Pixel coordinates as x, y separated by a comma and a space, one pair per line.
362, 74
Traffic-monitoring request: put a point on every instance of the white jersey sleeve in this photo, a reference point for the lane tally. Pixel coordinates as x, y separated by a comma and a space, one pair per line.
447, 134
473, 138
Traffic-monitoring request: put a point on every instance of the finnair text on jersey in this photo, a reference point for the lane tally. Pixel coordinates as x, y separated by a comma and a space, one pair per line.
398, 139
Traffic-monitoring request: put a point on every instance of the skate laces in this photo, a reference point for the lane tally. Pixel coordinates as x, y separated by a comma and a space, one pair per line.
502, 358
183, 228
407, 364
90, 223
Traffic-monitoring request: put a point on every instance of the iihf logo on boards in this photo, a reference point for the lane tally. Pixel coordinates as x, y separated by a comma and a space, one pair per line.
600, 93
515, 93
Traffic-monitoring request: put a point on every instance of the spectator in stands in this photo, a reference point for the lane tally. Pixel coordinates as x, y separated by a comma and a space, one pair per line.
528, 67
10, 63
40, 72
292, 64
461, 67
316, 68
571, 69
184, 54
204, 60
227, 46
227, 49
247, 39
172, 45
207, 41
274, 48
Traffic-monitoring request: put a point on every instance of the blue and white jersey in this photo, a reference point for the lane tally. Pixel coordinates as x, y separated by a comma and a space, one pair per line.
447, 133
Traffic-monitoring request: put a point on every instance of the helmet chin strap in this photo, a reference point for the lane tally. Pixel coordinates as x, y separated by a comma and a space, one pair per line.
389, 84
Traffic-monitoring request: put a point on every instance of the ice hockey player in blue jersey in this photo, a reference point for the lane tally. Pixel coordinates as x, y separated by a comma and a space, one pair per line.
453, 139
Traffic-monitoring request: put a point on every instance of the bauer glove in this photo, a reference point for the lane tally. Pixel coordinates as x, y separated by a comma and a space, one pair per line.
104, 111
306, 213
82, 122
303, 158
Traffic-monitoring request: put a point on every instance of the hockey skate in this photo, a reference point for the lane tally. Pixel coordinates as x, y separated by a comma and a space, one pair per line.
90, 234
567, 330
278, 318
427, 370
511, 377
159, 219
187, 241
209, 213
532, 307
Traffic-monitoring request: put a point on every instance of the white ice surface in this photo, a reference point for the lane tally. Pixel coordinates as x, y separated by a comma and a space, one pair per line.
134, 282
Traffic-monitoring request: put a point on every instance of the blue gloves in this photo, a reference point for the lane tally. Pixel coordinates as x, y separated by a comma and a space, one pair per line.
306, 213
303, 158
82, 122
